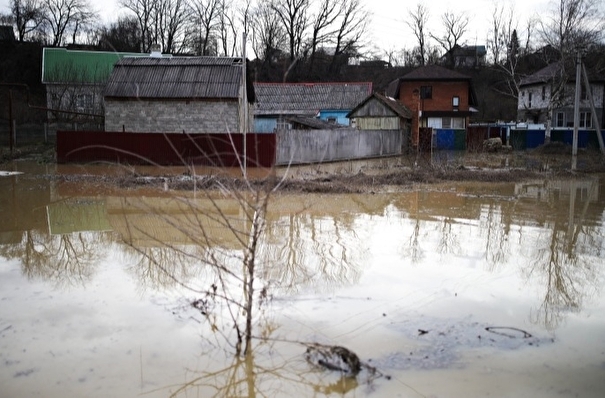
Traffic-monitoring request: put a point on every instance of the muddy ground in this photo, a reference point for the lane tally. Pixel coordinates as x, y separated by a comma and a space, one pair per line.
398, 173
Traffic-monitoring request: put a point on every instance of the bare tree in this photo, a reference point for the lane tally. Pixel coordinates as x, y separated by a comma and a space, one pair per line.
27, 16
64, 16
123, 35
143, 11
172, 17
352, 26
500, 32
454, 26
207, 18
573, 24
268, 35
325, 17
293, 16
417, 23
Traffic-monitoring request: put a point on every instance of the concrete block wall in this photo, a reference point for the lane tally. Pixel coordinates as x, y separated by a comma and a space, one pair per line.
172, 116
314, 146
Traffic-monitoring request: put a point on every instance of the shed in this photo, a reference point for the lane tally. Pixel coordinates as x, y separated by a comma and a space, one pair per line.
331, 102
379, 112
175, 95
75, 79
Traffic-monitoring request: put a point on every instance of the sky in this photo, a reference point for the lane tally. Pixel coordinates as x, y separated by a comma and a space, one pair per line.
388, 29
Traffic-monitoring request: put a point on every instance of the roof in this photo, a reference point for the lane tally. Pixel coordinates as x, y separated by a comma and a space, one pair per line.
558, 70
177, 78
467, 51
397, 107
60, 65
432, 73
314, 123
308, 98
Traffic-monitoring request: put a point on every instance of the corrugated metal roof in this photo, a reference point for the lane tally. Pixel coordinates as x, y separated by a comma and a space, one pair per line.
195, 78
308, 98
60, 65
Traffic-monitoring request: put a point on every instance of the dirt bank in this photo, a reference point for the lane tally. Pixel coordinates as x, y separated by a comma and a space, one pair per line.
375, 175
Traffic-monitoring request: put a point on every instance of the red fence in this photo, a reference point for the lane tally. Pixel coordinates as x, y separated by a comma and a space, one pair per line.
221, 150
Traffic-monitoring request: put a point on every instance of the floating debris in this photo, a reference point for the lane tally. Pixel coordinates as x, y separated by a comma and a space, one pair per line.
333, 358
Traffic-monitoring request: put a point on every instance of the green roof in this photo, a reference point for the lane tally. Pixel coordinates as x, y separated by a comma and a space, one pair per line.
60, 65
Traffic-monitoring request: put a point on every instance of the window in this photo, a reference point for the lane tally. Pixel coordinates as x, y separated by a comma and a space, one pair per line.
331, 120
426, 92
84, 102
446, 122
529, 100
543, 93
456, 101
585, 120
560, 119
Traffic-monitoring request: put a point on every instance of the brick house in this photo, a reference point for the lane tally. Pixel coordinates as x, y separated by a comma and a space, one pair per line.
176, 95
439, 98
276, 103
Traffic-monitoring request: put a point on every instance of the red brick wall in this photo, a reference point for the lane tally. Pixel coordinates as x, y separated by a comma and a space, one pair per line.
442, 95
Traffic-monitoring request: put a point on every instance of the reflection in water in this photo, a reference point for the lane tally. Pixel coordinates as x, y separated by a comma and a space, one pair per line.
64, 259
273, 376
549, 232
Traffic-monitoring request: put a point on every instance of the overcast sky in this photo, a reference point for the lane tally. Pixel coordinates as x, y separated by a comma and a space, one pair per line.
388, 29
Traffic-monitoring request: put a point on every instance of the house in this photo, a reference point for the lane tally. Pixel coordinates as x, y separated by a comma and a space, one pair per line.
379, 112
465, 56
331, 102
548, 96
439, 98
176, 95
75, 81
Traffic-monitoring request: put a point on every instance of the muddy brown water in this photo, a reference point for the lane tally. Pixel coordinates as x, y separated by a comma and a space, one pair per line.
453, 291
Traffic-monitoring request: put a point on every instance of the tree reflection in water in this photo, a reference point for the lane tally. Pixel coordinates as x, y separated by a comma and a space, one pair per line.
566, 257
276, 376
66, 259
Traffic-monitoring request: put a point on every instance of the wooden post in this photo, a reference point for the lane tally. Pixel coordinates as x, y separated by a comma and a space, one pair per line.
593, 111
11, 132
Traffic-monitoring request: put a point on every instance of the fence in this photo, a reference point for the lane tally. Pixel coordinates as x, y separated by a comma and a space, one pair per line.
315, 146
222, 150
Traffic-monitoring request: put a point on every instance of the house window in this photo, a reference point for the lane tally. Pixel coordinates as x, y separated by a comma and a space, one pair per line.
543, 93
458, 122
585, 120
426, 92
456, 102
283, 125
331, 120
84, 102
446, 122
529, 99
560, 119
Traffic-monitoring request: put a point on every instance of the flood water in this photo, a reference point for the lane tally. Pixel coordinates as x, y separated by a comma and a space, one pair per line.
465, 290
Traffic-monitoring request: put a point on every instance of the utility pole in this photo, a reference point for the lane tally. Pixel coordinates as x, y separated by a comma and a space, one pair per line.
244, 102
593, 110
576, 112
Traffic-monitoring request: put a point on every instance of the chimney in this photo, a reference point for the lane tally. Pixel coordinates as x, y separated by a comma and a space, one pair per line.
155, 51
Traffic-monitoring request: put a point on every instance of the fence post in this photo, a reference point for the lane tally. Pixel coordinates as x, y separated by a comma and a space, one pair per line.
14, 132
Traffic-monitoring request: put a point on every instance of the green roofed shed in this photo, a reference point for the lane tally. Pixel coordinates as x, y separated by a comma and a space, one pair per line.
60, 65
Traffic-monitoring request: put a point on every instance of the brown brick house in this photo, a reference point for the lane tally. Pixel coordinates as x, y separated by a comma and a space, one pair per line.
438, 97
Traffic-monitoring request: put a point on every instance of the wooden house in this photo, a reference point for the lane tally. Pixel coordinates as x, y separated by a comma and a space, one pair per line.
331, 102
178, 95
379, 112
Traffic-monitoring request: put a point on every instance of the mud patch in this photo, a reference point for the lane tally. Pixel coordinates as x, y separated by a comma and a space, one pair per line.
442, 341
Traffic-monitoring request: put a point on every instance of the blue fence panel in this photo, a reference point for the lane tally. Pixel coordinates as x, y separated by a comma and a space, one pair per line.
534, 138
445, 139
